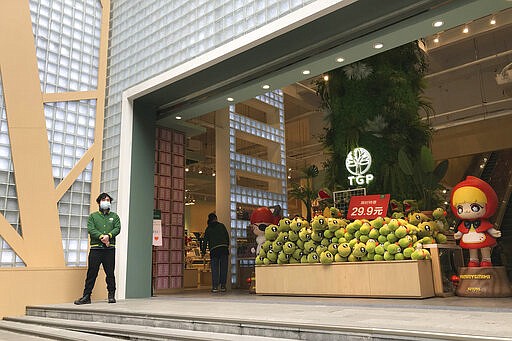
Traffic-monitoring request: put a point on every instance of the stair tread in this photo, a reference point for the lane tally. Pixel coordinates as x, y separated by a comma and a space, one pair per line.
125, 329
12, 330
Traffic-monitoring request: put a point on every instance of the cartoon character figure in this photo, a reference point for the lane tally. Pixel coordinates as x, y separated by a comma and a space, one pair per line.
473, 200
260, 219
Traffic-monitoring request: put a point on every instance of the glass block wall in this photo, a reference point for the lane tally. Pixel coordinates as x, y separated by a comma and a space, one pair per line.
67, 41
8, 197
149, 37
276, 170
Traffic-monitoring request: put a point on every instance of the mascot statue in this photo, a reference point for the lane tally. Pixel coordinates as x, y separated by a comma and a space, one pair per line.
260, 219
474, 201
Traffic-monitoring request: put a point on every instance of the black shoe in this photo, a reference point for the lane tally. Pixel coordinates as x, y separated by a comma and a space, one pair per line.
215, 290
111, 298
85, 299
223, 288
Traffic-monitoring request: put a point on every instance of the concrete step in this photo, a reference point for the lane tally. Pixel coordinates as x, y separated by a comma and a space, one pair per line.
112, 331
20, 330
219, 326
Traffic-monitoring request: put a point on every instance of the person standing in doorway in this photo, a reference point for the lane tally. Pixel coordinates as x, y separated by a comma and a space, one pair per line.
103, 227
216, 238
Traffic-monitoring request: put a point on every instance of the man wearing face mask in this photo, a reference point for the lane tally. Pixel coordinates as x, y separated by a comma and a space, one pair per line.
103, 227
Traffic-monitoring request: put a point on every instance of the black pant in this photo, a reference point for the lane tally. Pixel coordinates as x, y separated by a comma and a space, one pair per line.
106, 257
219, 264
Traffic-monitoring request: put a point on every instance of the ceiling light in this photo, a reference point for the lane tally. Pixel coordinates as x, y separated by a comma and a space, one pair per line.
306, 72
436, 40
378, 45
200, 171
326, 78
493, 21
438, 23
465, 30
186, 169
213, 174
340, 60
230, 99
265, 86
178, 117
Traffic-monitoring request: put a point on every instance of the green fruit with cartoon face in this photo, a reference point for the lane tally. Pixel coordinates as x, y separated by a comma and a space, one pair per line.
271, 232
284, 225
333, 248
339, 233
353, 242
319, 223
405, 241
313, 258
352, 258
272, 256
408, 252
378, 257
283, 257
374, 234
317, 235
294, 261
359, 250
440, 238
364, 238
379, 249
384, 230
305, 234
326, 257
392, 237
399, 256
328, 234
320, 248
344, 250
297, 224
293, 236
282, 237
266, 261
297, 254
259, 260
338, 258
388, 256
300, 244
333, 224
382, 239
289, 247
277, 246
348, 236
393, 249
304, 259
371, 245
365, 228
267, 245
377, 222
370, 256
309, 246
401, 232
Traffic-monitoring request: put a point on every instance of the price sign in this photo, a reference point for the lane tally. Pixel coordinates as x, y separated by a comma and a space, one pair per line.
368, 206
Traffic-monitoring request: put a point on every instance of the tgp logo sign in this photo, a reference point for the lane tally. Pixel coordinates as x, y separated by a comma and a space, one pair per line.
358, 162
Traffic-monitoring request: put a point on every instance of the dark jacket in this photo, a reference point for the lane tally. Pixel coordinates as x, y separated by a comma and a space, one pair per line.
215, 236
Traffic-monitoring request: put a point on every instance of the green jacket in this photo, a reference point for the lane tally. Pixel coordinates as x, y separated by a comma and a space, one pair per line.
99, 224
215, 236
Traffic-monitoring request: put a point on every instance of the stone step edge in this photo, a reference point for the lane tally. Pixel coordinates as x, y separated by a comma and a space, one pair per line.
280, 328
146, 332
50, 332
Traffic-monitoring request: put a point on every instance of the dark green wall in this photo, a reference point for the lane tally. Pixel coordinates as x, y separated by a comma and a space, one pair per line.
139, 264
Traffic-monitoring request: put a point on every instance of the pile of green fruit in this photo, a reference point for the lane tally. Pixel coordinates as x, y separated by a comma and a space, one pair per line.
330, 239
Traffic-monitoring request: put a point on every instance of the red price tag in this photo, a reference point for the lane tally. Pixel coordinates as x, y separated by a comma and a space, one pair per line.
368, 206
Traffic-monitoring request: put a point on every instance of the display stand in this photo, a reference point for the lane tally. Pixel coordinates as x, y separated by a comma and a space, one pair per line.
446, 260
408, 278
483, 282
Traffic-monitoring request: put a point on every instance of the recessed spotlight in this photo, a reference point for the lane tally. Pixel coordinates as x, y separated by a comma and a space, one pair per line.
378, 45
493, 21
265, 86
186, 170
465, 30
213, 174
340, 60
438, 23
200, 172
178, 117
230, 99
326, 78
306, 72
436, 40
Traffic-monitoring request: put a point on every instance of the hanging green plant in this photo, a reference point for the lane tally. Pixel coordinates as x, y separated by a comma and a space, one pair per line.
376, 104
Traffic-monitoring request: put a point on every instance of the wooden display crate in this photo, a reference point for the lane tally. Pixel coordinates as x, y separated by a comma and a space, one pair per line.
408, 278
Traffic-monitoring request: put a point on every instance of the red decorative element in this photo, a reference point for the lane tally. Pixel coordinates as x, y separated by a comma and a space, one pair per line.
368, 206
455, 280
